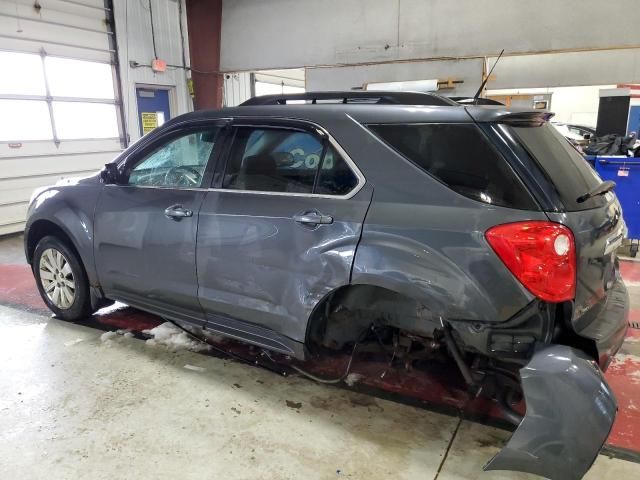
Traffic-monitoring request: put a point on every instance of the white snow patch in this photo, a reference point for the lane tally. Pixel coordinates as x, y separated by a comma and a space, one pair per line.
353, 378
635, 377
174, 338
72, 342
125, 333
108, 336
632, 340
623, 357
194, 368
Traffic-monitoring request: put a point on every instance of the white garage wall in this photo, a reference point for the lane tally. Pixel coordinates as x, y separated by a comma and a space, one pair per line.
301, 33
345, 78
135, 44
77, 29
237, 88
567, 69
345, 43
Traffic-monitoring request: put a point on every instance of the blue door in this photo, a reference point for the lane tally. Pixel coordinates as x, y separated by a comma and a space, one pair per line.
153, 108
634, 119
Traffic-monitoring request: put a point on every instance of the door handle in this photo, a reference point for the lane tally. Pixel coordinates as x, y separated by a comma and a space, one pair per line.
313, 218
176, 212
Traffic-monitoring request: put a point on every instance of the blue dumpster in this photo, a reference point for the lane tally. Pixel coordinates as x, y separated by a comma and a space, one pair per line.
591, 160
625, 171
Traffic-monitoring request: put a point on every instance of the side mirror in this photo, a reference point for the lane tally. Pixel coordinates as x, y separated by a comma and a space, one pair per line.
109, 174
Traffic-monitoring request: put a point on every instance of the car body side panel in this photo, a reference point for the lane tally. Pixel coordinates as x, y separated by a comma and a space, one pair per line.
142, 256
570, 412
423, 240
256, 264
70, 205
438, 255
597, 233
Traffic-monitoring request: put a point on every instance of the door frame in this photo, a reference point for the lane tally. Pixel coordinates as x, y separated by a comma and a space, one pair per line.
171, 95
139, 152
285, 123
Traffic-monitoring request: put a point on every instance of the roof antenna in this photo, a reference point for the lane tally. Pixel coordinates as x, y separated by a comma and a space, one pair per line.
486, 79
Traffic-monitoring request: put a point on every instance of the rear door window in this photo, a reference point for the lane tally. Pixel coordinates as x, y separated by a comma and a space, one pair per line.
335, 176
272, 160
461, 157
286, 160
564, 166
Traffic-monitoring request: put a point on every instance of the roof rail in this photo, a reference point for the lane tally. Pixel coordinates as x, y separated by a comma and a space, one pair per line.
353, 97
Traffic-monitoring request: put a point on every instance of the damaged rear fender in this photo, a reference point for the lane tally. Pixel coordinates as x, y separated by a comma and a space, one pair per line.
570, 412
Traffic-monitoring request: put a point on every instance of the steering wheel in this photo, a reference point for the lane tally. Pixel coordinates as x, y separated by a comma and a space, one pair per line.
183, 176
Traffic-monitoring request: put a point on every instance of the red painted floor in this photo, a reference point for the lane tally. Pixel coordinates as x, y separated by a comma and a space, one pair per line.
441, 387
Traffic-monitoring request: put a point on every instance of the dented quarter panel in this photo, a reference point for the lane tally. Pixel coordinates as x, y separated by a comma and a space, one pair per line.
426, 241
570, 412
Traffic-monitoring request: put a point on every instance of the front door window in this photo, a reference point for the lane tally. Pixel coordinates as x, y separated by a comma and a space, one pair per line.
179, 163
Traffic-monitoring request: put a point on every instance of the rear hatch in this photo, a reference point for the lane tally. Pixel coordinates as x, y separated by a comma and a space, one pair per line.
596, 222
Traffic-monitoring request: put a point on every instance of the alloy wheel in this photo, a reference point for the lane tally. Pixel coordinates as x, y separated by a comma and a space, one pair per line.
57, 278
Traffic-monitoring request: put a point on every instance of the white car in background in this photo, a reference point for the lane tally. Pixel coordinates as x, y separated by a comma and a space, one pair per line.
578, 135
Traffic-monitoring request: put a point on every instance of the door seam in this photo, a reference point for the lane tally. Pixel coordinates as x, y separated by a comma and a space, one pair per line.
355, 250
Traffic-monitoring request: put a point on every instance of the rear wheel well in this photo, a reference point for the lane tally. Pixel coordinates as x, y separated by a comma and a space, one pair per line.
342, 316
40, 229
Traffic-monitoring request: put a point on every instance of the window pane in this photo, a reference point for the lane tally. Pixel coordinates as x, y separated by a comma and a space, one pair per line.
570, 172
179, 163
461, 158
24, 120
21, 74
78, 78
273, 160
335, 178
76, 120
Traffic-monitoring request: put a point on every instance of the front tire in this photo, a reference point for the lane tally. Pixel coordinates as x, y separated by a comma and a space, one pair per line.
61, 279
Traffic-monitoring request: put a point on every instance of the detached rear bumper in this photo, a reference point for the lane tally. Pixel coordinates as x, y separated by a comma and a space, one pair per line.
570, 412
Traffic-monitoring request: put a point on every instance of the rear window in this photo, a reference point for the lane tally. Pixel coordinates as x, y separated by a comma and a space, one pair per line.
461, 157
565, 167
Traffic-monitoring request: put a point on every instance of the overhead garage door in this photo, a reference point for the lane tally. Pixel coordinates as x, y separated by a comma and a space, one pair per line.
60, 113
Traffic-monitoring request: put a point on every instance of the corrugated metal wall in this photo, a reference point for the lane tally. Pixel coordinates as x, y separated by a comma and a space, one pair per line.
78, 29
237, 88
135, 44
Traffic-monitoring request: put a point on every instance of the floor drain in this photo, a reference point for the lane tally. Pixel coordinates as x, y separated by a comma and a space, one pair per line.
635, 325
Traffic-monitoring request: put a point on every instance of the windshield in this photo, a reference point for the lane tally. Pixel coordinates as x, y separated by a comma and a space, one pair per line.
565, 167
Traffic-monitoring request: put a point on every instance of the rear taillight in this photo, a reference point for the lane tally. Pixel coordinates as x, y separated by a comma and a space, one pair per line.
542, 255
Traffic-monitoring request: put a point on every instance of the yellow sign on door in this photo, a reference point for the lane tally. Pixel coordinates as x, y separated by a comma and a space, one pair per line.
149, 121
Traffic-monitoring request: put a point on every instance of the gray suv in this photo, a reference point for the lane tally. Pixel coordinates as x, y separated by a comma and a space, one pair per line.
306, 224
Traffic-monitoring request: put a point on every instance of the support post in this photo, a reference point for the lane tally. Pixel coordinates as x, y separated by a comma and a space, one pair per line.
204, 21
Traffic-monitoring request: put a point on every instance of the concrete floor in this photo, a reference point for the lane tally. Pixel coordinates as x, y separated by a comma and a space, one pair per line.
12, 249
73, 406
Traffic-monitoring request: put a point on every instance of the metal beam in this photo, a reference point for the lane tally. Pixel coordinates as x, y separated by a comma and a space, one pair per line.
204, 20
